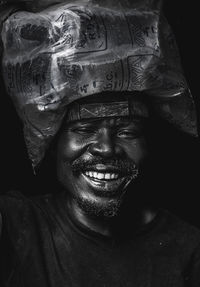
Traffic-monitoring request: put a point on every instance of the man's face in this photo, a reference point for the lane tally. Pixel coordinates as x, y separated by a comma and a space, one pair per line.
97, 159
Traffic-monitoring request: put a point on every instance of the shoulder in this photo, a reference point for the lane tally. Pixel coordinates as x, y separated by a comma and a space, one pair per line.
22, 216
17, 208
179, 233
18, 199
10, 201
184, 243
180, 226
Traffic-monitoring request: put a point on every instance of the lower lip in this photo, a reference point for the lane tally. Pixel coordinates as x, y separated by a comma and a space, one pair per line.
106, 187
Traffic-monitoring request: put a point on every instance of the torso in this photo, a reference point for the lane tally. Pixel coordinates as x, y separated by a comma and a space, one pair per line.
50, 249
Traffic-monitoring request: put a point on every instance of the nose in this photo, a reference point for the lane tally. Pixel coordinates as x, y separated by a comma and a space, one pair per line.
104, 144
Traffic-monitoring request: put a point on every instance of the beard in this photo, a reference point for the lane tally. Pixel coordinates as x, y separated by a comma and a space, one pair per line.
110, 200
96, 209
126, 169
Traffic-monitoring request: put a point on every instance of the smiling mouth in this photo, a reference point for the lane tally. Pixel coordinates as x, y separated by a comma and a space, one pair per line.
102, 175
106, 183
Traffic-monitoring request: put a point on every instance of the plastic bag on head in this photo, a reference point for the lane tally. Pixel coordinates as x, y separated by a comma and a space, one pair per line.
76, 49
38, 5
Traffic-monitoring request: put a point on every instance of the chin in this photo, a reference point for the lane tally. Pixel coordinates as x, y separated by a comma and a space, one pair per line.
105, 208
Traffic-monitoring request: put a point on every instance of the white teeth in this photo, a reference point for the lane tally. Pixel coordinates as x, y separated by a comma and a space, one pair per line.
107, 176
100, 175
91, 174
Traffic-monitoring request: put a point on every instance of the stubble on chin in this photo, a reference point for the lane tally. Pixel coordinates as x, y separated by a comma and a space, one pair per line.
107, 209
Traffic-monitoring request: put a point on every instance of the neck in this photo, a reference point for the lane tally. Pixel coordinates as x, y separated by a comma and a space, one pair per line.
117, 224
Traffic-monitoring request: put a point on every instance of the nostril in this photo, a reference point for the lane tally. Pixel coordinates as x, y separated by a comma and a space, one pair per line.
102, 149
104, 144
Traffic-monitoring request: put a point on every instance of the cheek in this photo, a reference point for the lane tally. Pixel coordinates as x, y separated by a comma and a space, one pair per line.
137, 150
69, 148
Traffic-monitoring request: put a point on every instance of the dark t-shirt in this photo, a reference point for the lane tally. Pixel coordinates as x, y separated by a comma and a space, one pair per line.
42, 246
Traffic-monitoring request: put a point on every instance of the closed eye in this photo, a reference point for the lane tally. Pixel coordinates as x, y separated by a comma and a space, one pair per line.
83, 130
128, 134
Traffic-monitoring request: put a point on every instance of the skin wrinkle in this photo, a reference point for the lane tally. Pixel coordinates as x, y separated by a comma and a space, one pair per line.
85, 144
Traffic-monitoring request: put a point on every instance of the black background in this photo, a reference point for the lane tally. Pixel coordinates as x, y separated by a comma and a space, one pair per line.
175, 172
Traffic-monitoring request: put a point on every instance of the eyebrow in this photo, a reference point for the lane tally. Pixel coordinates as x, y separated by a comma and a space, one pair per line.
128, 120
119, 121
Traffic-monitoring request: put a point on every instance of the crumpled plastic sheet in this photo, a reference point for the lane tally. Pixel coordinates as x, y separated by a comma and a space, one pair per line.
69, 51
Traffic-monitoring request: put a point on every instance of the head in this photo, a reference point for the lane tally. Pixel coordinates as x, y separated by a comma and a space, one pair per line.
100, 153
47, 64
74, 50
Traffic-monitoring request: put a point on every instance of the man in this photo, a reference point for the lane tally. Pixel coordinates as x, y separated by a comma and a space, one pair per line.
73, 76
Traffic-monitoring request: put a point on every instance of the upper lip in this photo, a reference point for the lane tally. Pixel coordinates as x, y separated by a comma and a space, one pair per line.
102, 168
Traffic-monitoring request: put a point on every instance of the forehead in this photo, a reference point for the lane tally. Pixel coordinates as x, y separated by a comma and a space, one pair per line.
122, 121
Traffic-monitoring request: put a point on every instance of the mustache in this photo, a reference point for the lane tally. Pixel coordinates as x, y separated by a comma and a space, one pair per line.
122, 166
